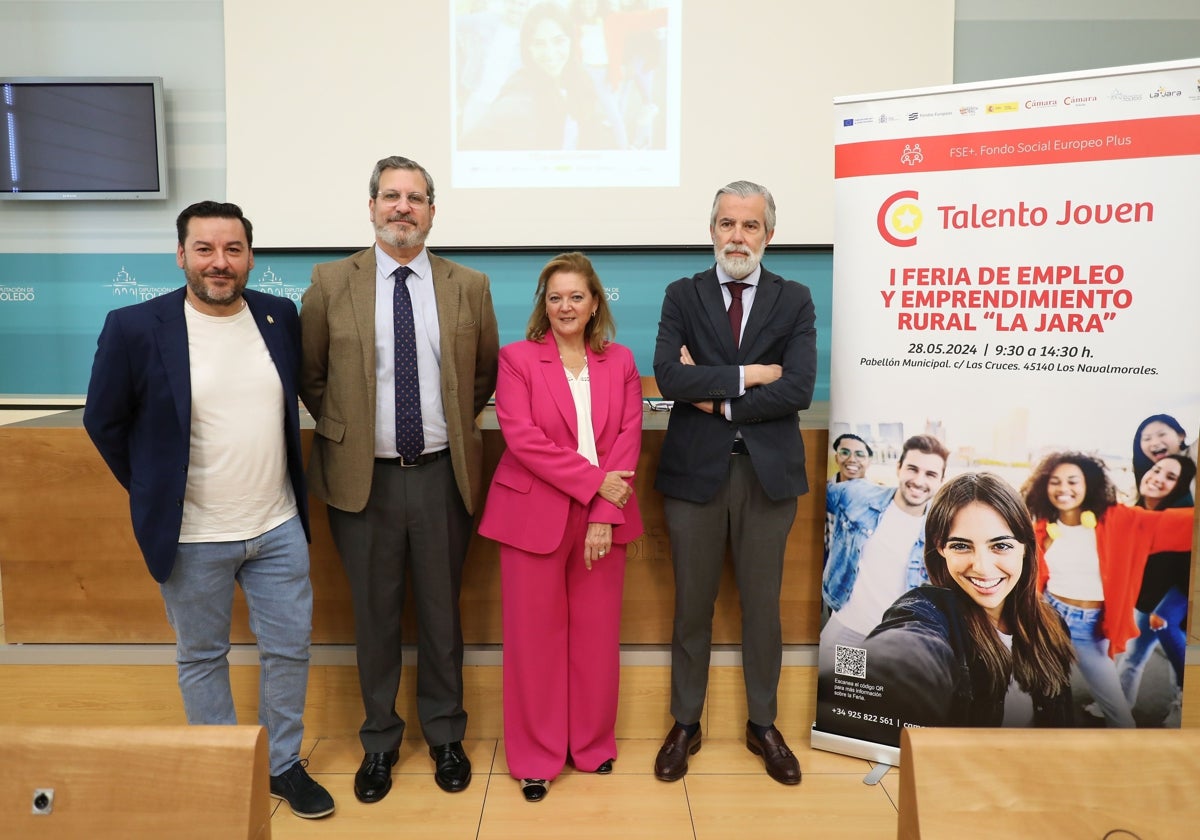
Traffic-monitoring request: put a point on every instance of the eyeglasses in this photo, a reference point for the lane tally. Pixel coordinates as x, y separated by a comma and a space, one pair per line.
658, 405
415, 199
857, 453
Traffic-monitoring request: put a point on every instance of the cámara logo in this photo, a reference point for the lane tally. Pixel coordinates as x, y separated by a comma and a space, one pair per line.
899, 218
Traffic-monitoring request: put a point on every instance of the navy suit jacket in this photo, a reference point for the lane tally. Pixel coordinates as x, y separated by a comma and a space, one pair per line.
780, 330
139, 410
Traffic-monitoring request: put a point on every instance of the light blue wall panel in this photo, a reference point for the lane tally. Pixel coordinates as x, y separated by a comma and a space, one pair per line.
52, 306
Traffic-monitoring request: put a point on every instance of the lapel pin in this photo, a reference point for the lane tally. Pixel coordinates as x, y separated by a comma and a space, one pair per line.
270, 319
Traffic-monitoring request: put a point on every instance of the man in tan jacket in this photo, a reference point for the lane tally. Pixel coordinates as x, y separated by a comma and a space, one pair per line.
399, 357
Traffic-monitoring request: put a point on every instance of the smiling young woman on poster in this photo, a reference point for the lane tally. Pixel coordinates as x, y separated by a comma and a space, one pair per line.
1158, 436
978, 647
1091, 554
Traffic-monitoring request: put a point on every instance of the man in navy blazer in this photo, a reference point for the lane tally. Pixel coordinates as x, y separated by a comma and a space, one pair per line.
193, 405
736, 351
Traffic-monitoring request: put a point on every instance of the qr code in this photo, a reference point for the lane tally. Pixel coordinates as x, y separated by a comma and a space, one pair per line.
850, 661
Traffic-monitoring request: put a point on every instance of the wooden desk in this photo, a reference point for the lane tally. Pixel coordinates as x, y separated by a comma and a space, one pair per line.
116, 782
1061, 783
73, 573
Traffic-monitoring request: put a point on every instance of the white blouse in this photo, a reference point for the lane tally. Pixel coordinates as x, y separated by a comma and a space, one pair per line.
581, 393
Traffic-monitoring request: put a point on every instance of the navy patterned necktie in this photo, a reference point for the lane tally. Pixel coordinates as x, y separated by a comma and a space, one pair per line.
735, 311
410, 436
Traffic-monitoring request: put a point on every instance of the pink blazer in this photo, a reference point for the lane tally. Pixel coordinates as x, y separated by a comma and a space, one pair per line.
541, 470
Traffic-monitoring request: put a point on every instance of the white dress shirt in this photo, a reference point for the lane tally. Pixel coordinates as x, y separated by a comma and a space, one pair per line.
429, 354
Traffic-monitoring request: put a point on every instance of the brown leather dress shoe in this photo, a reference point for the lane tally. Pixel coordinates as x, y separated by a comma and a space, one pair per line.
782, 765
671, 764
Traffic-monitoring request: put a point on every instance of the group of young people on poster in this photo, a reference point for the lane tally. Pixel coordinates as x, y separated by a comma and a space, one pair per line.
1032, 606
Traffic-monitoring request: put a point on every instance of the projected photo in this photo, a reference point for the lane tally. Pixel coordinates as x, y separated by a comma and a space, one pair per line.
565, 93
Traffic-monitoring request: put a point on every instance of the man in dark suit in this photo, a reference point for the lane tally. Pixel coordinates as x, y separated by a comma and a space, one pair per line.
736, 351
400, 353
192, 403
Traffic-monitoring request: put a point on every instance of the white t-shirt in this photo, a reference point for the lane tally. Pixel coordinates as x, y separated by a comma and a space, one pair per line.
882, 569
1074, 564
1018, 705
237, 486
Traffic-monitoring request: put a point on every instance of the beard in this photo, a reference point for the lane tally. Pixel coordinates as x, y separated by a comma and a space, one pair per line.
195, 281
413, 238
738, 265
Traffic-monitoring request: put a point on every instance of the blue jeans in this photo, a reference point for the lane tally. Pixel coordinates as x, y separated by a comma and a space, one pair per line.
1097, 668
1172, 609
272, 570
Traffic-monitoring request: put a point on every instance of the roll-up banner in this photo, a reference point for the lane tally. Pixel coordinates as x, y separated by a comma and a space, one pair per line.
1014, 406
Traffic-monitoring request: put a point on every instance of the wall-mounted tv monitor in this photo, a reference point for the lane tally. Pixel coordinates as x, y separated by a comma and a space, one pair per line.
82, 138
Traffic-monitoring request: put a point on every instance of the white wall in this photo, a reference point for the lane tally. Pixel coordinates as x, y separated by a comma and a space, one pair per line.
180, 40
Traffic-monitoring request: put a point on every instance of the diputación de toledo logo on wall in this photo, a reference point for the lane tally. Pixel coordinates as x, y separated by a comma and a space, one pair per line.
273, 283
17, 294
125, 285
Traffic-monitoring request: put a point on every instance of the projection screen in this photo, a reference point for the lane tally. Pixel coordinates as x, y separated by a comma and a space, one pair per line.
558, 123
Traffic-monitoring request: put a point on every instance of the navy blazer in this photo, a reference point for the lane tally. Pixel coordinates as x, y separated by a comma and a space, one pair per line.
780, 330
139, 410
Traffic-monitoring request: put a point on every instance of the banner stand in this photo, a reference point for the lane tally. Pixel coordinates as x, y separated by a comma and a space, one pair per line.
1013, 277
853, 747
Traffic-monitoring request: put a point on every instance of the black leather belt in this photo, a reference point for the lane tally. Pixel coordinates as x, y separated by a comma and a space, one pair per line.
739, 447
419, 461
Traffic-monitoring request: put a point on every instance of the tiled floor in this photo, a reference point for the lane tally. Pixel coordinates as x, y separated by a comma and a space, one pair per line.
726, 794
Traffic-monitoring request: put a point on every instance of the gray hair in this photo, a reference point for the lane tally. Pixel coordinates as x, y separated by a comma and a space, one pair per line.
746, 189
397, 162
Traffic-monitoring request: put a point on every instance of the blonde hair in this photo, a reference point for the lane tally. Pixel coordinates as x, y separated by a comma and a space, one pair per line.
600, 328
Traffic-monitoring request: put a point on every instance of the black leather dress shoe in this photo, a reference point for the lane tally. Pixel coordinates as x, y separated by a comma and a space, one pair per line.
453, 770
671, 763
606, 767
374, 777
782, 765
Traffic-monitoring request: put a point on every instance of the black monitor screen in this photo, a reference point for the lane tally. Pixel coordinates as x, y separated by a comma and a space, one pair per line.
81, 140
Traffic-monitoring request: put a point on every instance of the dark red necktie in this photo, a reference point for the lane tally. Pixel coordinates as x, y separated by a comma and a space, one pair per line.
410, 435
735, 311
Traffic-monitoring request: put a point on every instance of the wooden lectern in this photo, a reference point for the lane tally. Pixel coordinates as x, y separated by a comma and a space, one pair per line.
1060, 783
104, 782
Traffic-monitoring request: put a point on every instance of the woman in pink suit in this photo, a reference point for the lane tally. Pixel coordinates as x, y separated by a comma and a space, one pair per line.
561, 505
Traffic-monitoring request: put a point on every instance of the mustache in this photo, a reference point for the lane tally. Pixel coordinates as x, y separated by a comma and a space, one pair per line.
402, 217
224, 275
